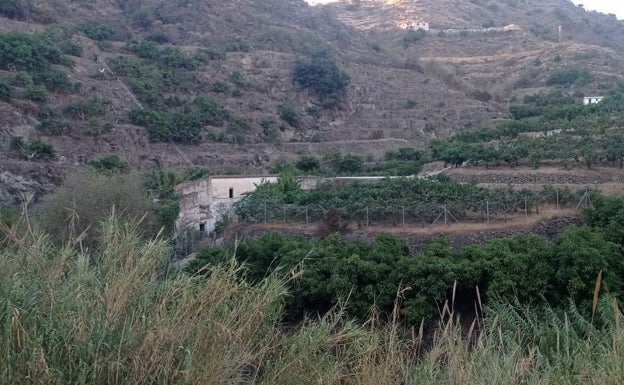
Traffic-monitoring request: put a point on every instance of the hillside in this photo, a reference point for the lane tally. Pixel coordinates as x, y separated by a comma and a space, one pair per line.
228, 66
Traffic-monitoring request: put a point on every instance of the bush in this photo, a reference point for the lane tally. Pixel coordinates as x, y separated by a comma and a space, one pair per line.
181, 127
22, 79
53, 126
53, 80
86, 198
569, 76
8, 217
36, 93
28, 52
321, 74
288, 114
270, 131
70, 47
36, 149
87, 108
13, 9
6, 91
96, 31
110, 164
412, 36
308, 163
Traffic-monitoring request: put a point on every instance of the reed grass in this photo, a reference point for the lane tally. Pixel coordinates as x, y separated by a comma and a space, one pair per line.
114, 315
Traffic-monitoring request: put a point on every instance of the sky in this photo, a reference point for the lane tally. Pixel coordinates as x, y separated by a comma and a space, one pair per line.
605, 6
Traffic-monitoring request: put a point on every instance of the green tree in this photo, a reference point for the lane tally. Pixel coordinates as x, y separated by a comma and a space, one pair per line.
321, 74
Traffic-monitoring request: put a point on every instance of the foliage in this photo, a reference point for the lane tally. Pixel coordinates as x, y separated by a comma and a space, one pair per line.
28, 52
569, 76
53, 80
66, 312
13, 9
288, 114
109, 164
36, 149
412, 36
183, 128
53, 126
8, 217
308, 163
320, 73
607, 214
96, 31
87, 108
6, 91
165, 57
86, 198
36, 93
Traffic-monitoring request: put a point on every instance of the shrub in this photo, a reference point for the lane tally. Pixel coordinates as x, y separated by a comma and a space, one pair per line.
83, 109
412, 36
270, 131
70, 47
288, 114
38, 149
36, 93
321, 74
28, 52
8, 217
53, 126
308, 163
96, 31
6, 91
110, 164
210, 112
13, 9
569, 76
22, 79
86, 198
54, 80
349, 164
220, 87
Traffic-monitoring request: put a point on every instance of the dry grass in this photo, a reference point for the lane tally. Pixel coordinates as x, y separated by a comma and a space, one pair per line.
113, 317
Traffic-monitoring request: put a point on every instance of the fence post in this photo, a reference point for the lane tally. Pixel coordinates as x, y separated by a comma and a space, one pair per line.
284, 212
445, 216
403, 216
557, 198
366, 216
526, 209
307, 215
265, 213
487, 210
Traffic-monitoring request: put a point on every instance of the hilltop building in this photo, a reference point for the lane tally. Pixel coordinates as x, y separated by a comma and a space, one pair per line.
587, 100
414, 24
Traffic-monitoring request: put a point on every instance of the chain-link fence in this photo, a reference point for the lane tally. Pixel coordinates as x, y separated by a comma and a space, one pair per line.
394, 214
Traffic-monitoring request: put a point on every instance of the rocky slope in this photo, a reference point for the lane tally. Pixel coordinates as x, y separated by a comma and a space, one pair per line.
403, 91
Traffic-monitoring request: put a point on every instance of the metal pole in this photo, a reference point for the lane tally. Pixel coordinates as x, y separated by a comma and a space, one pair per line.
557, 199
403, 216
366, 216
526, 211
265, 213
284, 213
487, 210
307, 214
445, 215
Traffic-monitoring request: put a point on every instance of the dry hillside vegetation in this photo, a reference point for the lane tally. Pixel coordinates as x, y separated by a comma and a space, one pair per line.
402, 90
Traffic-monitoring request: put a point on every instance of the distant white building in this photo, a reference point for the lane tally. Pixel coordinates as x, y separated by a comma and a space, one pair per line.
414, 24
592, 99
204, 201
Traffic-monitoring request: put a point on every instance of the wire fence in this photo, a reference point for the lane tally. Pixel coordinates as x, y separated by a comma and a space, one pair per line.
414, 214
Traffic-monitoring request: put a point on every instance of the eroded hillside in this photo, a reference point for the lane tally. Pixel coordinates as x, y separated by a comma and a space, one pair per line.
216, 80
